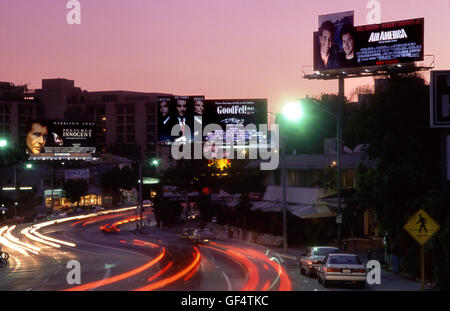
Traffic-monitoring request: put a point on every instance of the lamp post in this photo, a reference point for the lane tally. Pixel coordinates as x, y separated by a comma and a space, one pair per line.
338, 117
292, 112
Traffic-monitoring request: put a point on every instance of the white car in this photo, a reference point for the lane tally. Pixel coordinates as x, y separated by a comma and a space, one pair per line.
346, 268
310, 260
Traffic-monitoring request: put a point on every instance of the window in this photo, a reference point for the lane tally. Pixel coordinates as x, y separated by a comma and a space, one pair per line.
150, 108
130, 138
130, 108
119, 119
120, 129
119, 109
130, 129
130, 119
119, 139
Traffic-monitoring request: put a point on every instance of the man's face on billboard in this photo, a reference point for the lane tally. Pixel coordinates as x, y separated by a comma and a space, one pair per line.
181, 107
164, 108
348, 44
326, 40
198, 107
36, 138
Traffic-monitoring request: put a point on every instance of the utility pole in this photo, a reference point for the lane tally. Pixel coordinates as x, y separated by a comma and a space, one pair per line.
141, 208
283, 180
338, 150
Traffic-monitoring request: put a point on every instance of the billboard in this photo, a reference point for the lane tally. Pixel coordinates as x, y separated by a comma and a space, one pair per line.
232, 115
328, 43
440, 99
173, 110
388, 43
51, 139
196, 113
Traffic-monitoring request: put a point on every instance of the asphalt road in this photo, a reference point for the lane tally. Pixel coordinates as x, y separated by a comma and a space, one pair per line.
154, 260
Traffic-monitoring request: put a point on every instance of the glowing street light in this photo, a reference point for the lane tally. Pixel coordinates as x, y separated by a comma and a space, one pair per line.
3, 142
293, 111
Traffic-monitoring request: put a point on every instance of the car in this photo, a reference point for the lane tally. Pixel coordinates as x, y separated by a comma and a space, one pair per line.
202, 236
187, 233
193, 216
109, 228
346, 268
314, 255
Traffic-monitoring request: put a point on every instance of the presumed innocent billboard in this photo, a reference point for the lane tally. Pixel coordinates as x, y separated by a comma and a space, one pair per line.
50, 139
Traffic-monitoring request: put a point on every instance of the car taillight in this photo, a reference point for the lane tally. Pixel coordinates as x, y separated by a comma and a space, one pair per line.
333, 270
359, 270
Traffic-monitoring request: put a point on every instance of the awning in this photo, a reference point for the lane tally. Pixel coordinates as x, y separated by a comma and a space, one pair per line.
303, 211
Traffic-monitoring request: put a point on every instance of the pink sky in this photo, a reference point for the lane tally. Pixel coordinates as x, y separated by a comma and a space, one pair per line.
219, 48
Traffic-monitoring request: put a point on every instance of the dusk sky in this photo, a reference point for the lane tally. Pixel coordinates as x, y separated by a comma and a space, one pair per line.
219, 48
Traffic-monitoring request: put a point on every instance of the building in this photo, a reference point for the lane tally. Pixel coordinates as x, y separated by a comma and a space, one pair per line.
124, 119
18, 105
306, 175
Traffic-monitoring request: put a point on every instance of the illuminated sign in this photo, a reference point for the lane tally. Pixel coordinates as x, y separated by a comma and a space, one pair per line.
230, 115
150, 181
49, 140
440, 99
339, 45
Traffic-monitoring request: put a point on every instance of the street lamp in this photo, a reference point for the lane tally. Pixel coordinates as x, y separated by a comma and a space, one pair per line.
293, 112
337, 163
3, 142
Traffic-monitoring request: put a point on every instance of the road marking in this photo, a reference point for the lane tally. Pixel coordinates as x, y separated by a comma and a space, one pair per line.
227, 279
107, 273
28, 289
286, 256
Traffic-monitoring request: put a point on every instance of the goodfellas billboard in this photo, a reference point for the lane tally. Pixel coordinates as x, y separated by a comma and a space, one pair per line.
232, 115
197, 113
51, 139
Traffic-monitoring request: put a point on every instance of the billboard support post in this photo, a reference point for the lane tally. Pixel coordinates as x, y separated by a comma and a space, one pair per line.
444, 159
338, 151
283, 177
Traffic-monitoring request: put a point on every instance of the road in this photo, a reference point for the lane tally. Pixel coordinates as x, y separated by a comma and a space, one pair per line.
154, 260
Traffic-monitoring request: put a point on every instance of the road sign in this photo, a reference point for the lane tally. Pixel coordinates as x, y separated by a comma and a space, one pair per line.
421, 226
440, 99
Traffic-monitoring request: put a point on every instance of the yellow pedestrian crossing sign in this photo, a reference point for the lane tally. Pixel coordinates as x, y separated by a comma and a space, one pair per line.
421, 226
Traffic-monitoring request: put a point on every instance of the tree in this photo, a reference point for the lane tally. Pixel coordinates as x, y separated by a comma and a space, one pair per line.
406, 174
243, 179
74, 189
119, 178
